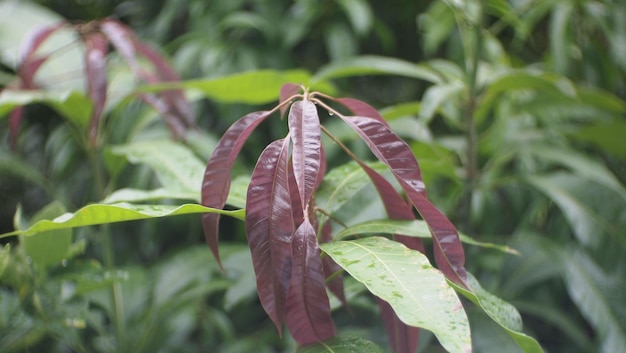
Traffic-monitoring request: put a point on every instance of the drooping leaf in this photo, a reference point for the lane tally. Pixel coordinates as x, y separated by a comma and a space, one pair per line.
269, 225
342, 345
394, 152
404, 278
216, 181
503, 313
332, 271
30, 62
402, 337
96, 48
411, 228
360, 108
304, 128
308, 309
104, 214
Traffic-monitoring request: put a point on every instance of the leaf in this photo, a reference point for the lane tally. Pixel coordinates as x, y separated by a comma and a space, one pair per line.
375, 65
308, 309
136, 195
608, 136
359, 13
412, 228
394, 152
269, 225
254, 87
342, 345
51, 247
503, 313
402, 337
304, 129
435, 96
72, 105
178, 169
360, 108
405, 279
96, 49
104, 214
287, 91
216, 181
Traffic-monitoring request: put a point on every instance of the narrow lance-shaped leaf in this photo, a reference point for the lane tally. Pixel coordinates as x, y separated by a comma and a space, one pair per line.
304, 127
96, 47
360, 108
216, 181
394, 152
29, 62
269, 225
308, 309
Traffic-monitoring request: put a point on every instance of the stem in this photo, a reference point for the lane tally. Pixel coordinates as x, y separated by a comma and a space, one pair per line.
108, 254
473, 49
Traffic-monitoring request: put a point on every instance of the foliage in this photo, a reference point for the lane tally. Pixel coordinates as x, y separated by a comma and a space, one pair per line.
518, 133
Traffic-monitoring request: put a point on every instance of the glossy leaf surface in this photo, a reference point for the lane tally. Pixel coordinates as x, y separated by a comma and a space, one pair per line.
405, 279
270, 226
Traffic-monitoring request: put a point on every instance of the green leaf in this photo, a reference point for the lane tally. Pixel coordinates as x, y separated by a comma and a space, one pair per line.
376, 65
254, 87
499, 311
51, 247
608, 136
359, 13
176, 167
342, 345
414, 228
136, 195
103, 214
404, 278
4, 258
73, 105
435, 96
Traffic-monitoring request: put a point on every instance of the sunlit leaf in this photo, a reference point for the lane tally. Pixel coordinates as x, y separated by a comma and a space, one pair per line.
405, 279
342, 344
103, 214
503, 313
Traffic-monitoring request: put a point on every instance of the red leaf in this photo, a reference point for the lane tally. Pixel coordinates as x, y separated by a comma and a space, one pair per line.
308, 310
216, 181
402, 337
304, 126
29, 62
335, 285
96, 47
361, 108
394, 152
269, 225
287, 91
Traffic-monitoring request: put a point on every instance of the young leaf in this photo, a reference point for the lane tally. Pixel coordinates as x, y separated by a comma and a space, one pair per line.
304, 127
394, 152
405, 279
96, 47
308, 309
269, 225
216, 182
287, 91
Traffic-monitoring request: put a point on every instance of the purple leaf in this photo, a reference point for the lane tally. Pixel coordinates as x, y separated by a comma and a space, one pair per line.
269, 225
304, 126
296, 204
15, 118
335, 285
402, 337
360, 108
96, 47
308, 310
287, 91
396, 154
216, 181
29, 62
